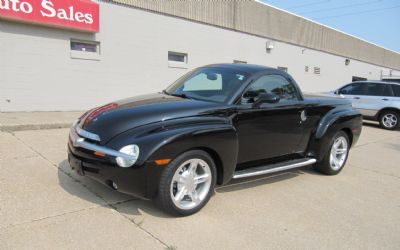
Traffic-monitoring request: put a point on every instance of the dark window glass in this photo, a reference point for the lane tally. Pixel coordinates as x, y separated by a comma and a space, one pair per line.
177, 57
396, 90
351, 89
376, 89
367, 88
274, 84
84, 46
387, 90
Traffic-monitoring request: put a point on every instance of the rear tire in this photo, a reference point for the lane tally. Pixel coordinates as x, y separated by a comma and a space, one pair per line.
336, 156
389, 119
187, 183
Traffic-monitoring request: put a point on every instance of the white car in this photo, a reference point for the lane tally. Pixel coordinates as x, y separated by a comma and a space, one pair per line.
376, 100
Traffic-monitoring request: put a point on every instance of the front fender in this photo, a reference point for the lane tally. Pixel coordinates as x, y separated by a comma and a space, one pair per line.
167, 140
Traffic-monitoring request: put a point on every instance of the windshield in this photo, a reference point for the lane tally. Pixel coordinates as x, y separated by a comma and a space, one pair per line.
208, 84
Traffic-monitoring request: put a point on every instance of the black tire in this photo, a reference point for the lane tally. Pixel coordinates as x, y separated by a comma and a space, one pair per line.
326, 165
167, 185
389, 120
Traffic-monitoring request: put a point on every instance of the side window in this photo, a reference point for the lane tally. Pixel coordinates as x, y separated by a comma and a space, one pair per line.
396, 90
274, 84
375, 89
352, 89
388, 91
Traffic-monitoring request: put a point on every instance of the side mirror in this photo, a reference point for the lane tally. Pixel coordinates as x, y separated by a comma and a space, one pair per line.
266, 98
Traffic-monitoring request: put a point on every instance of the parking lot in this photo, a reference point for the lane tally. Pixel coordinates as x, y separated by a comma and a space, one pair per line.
43, 204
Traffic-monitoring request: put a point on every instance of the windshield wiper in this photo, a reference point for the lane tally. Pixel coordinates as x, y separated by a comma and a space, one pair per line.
180, 95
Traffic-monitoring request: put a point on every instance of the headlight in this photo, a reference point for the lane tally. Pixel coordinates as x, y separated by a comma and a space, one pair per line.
132, 151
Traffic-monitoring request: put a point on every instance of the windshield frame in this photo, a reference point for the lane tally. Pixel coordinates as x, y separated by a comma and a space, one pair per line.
172, 88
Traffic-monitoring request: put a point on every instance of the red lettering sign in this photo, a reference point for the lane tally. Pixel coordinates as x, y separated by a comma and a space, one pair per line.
72, 14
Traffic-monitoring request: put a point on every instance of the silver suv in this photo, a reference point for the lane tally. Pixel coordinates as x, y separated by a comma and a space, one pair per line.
376, 100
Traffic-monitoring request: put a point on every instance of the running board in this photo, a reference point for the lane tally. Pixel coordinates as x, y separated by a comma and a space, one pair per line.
277, 167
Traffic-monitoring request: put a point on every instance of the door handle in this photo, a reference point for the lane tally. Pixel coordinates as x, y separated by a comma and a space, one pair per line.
357, 97
303, 116
385, 99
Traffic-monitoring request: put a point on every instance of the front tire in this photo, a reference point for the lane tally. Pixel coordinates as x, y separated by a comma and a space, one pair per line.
335, 158
187, 183
389, 120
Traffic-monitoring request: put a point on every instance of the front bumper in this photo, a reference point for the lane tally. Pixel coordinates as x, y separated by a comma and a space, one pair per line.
140, 181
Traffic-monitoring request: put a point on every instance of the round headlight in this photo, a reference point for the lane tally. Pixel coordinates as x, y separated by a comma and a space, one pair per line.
132, 152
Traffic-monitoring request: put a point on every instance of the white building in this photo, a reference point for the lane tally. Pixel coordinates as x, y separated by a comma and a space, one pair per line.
143, 46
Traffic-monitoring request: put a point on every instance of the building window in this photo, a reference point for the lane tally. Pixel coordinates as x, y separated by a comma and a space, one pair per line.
239, 62
283, 68
177, 57
89, 50
306, 69
317, 70
84, 46
357, 78
177, 60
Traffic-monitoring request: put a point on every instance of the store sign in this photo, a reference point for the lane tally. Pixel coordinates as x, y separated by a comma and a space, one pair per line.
72, 14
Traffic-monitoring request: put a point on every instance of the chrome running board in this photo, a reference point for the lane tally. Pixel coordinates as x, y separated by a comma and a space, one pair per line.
277, 167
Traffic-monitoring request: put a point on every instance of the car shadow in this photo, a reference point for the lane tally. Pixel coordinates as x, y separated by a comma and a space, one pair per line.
371, 124
103, 195
130, 205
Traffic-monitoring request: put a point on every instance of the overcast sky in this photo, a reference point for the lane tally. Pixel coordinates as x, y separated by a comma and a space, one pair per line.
377, 21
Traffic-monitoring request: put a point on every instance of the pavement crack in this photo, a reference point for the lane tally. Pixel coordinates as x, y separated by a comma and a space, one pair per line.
139, 225
48, 217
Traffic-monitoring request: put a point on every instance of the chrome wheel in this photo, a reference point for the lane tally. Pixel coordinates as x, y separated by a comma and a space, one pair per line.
338, 153
389, 120
191, 184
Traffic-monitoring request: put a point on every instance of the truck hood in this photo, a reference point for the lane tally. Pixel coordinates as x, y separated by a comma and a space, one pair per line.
115, 118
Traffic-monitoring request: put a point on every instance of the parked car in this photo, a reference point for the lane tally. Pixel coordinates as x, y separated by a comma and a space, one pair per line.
376, 100
215, 124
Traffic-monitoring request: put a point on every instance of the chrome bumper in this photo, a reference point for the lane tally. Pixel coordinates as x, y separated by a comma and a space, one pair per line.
78, 141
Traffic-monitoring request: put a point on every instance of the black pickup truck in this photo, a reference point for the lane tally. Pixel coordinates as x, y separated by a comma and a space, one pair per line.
214, 124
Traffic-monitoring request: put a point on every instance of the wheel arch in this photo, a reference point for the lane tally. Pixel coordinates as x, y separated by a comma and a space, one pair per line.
217, 161
220, 143
349, 134
380, 112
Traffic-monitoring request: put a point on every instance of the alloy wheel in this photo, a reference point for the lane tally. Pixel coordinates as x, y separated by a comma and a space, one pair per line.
338, 153
191, 184
389, 120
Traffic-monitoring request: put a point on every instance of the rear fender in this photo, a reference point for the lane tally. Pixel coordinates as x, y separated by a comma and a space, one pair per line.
348, 120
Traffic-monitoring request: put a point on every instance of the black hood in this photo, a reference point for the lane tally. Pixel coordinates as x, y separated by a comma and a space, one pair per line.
114, 118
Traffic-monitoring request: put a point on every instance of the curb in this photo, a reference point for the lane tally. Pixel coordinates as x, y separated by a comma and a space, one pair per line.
14, 128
